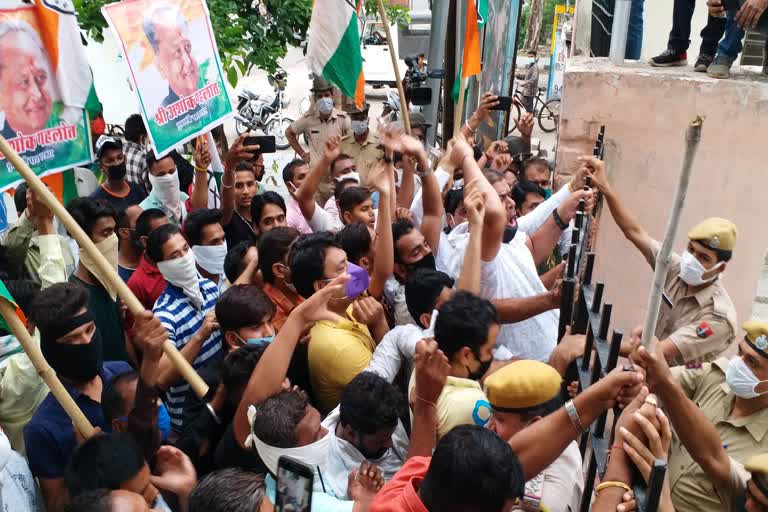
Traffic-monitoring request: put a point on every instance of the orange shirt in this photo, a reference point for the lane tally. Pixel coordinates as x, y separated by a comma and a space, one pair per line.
401, 493
283, 305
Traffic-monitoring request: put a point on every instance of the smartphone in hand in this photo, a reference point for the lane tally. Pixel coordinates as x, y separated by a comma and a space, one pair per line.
266, 143
505, 102
294, 486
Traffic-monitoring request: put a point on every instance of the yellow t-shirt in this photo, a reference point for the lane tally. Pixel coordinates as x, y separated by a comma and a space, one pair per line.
462, 402
337, 353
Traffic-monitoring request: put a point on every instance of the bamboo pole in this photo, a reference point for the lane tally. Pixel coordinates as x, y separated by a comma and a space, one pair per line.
393, 56
107, 272
44, 369
692, 139
458, 113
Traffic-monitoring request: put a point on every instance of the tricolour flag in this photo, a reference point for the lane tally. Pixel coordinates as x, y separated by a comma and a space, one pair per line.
470, 65
333, 49
6, 295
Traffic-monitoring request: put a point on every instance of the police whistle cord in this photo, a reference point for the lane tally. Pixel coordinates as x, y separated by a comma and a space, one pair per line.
108, 273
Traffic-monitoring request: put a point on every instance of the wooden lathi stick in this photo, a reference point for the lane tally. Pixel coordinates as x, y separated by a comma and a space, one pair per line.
393, 56
107, 272
44, 369
692, 139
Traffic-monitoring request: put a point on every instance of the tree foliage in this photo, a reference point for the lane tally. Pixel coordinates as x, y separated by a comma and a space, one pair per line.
249, 33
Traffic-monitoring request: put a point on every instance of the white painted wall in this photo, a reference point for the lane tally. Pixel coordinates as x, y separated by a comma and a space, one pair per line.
658, 23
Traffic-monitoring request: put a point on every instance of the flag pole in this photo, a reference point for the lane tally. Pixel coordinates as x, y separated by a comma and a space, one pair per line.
663, 259
107, 272
458, 114
44, 369
393, 56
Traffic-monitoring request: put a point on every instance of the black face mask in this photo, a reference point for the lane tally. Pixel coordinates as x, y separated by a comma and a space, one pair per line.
427, 261
478, 374
79, 363
509, 233
117, 172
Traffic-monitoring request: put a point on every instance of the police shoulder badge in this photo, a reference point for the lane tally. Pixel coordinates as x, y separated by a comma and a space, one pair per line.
704, 330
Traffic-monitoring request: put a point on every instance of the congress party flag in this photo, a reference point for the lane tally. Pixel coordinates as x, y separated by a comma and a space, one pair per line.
45, 86
470, 65
173, 63
6, 295
333, 49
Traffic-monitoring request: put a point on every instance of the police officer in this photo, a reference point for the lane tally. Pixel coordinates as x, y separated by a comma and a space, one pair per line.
697, 319
317, 126
362, 144
522, 393
719, 412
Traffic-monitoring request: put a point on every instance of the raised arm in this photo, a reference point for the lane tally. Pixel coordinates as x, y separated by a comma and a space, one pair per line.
543, 240
383, 246
237, 153
52, 267
538, 445
407, 187
693, 428
625, 219
305, 196
487, 102
268, 375
469, 278
202, 158
462, 155
432, 369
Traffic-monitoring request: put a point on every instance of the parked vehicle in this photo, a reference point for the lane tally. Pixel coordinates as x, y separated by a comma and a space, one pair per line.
264, 112
377, 64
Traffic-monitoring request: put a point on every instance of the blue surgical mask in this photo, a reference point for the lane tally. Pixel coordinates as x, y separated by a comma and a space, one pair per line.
163, 422
261, 341
325, 105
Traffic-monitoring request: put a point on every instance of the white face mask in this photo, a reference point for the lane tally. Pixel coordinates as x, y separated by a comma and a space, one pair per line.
359, 127
691, 270
166, 188
182, 272
741, 380
211, 257
325, 105
349, 176
5, 450
108, 249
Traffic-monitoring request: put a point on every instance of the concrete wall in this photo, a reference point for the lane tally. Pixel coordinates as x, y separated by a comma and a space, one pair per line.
645, 112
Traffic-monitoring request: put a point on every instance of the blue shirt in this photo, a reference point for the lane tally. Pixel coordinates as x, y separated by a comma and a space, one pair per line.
50, 436
183, 320
152, 201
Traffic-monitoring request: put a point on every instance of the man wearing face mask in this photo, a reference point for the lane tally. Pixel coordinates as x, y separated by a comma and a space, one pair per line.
135, 148
519, 395
273, 263
205, 234
362, 144
697, 319
465, 331
72, 344
337, 350
719, 413
317, 126
166, 191
129, 248
185, 309
116, 189
99, 221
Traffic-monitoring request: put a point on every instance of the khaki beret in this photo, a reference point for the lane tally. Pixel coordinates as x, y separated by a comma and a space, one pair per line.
757, 336
715, 233
522, 385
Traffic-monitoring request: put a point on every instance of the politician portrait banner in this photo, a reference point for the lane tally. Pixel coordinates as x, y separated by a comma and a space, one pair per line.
174, 65
42, 118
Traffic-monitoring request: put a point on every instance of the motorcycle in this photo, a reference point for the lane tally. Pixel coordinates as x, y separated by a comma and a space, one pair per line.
264, 112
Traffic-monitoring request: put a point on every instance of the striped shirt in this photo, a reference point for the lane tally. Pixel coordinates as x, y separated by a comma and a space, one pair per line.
183, 320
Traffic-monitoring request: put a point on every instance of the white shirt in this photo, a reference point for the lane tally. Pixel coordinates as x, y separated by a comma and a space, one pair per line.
398, 347
511, 274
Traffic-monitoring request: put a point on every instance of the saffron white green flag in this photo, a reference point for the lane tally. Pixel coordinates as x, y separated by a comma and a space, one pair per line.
333, 49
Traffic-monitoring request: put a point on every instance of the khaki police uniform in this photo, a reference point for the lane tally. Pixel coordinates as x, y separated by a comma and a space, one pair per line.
742, 438
523, 386
701, 325
366, 155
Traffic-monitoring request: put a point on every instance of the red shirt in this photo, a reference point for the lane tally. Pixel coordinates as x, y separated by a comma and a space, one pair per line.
401, 493
147, 283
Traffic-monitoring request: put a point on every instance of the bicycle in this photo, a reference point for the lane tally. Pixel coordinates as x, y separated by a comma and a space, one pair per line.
547, 112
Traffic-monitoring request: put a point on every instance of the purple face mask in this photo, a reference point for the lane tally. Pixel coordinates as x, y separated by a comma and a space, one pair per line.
359, 279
